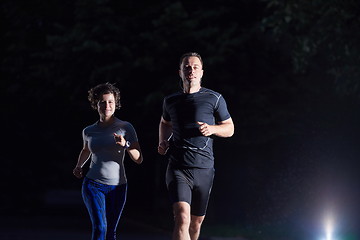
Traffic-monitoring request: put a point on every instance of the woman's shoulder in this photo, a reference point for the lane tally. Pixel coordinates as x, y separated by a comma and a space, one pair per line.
90, 127
122, 123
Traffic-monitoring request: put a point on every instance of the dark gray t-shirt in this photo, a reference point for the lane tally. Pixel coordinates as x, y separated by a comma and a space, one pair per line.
107, 158
189, 148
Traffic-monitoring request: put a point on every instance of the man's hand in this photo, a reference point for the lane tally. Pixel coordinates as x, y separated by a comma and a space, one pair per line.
206, 129
163, 147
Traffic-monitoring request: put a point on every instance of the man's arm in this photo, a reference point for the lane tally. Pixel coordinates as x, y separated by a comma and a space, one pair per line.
165, 132
221, 129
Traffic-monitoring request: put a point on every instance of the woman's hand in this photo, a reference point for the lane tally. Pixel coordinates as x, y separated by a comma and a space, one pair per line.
120, 140
78, 172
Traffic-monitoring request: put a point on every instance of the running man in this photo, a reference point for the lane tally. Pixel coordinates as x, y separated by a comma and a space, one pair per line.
189, 121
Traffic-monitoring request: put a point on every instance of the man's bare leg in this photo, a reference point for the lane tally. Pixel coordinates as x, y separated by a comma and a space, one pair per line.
182, 221
195, 226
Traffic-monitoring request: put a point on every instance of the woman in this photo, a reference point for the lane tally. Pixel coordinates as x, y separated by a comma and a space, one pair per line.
104, 187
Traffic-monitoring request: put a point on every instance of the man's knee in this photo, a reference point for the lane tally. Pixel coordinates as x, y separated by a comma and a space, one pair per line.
195, 223
182, 218
182, 213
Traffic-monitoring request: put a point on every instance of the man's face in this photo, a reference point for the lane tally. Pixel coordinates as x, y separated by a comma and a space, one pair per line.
191, 71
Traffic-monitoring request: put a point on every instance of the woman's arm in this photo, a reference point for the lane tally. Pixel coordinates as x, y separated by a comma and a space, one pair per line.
83, 157
133, 150
135, 153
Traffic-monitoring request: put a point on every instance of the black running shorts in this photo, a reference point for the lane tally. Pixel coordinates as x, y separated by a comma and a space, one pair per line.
191, 185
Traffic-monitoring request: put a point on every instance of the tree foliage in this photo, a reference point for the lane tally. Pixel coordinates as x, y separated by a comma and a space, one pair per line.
288, 69
321, 36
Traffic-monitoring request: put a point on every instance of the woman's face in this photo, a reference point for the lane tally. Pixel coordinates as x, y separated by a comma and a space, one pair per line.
107, 105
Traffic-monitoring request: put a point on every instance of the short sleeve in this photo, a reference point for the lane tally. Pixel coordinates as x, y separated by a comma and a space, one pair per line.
130, 134
165, 114
221, 111
84, 134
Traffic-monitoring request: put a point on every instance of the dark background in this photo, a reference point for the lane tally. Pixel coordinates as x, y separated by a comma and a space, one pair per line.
289, 71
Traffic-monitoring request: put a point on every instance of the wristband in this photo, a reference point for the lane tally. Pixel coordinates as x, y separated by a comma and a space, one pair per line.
127, 144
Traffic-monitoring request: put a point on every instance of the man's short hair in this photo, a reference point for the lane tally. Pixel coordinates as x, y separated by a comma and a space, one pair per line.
191, 54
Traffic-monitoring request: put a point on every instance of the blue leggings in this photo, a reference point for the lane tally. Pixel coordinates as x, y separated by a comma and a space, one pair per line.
105, 204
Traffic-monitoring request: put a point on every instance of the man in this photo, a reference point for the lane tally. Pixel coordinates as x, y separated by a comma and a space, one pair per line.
189, 121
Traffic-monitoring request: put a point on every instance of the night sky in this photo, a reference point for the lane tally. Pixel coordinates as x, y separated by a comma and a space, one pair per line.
289, 73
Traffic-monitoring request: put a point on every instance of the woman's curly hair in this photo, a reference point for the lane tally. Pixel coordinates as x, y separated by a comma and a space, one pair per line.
96, 93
